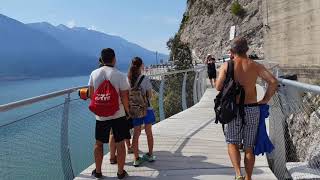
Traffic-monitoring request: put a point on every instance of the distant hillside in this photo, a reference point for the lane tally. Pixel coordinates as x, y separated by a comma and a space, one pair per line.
25, 52
44, 50
91, 42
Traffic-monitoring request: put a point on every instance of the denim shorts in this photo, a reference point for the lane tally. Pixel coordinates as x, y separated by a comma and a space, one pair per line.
148, 119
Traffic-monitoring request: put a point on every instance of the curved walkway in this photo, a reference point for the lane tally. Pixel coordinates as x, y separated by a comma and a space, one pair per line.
188, 146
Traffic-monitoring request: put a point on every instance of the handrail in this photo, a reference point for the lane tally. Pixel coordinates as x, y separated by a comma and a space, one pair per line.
300, 85
176, 72
24, 102
13, 105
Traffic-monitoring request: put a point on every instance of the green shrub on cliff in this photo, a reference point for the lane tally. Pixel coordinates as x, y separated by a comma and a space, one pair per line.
181, 56
180, 53
237, 9
184, 20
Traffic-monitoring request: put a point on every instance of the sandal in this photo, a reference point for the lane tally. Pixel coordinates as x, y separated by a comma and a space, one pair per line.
113, 161
95, 174
239, 177
123, 175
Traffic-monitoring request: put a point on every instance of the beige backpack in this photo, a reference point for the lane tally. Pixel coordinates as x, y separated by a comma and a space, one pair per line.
138, 103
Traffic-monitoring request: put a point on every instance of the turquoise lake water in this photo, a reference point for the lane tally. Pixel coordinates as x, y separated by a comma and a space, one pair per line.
30, 137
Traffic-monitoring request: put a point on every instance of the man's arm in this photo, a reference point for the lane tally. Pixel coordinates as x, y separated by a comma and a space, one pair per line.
91, 92
124, 95
222, 76
272, 83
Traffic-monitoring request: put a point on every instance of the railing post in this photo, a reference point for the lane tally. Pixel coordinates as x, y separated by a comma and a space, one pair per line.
161, 92
64, 143
199, 86
195, 98
184, 97
205, 81
277, 135
202, 83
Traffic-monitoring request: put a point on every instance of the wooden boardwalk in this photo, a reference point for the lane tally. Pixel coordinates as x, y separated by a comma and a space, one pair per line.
188, 146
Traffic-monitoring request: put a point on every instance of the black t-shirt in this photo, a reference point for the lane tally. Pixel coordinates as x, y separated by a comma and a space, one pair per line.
211, 67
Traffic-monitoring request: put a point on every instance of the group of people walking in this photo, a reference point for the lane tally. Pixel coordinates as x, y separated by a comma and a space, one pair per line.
127, 99
120, 103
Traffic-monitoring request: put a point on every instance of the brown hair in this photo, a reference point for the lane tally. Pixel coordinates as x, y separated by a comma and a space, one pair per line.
135, 71
239, 46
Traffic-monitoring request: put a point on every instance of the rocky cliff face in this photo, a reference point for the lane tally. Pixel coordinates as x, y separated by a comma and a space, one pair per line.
304, 131
206, 26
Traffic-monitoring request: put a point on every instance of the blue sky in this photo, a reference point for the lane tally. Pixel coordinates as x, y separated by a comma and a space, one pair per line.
149, 23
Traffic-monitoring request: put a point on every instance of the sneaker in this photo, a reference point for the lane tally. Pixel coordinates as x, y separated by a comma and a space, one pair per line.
149, 158
123, 175
137, 162
239, 177
130, 150
95, 174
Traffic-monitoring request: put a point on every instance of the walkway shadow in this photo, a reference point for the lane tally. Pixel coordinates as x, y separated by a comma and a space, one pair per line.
174, 165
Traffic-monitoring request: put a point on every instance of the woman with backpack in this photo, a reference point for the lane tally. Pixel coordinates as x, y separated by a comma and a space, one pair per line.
140, 109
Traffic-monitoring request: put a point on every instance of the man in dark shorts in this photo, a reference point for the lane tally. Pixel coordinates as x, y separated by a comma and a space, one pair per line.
246, 72
212, 72
117, 122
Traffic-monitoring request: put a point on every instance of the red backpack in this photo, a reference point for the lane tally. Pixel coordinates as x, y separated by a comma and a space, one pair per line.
105, 101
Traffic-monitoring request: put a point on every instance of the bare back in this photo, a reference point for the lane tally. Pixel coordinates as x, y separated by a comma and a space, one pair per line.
246, 73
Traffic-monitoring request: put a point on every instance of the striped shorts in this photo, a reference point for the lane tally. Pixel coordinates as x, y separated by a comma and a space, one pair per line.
238, 133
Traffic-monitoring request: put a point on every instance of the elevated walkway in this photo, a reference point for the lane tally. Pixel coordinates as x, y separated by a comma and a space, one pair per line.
188, 145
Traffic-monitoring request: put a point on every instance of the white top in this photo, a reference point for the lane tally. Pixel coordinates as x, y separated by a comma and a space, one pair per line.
119, 82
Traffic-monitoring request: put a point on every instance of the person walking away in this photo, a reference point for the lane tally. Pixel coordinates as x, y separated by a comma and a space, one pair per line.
109, 92
146, 115
244, 130
212, 72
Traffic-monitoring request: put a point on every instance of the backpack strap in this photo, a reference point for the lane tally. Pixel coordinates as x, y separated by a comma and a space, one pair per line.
138, 83
230, 70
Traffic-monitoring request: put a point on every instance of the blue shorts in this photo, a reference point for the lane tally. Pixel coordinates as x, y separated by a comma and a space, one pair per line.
149, 119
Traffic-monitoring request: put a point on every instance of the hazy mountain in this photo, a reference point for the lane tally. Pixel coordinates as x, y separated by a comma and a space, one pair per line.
91, 42
26, 52
44, 50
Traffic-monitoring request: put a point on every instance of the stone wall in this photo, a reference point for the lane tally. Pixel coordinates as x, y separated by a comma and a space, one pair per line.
293, 33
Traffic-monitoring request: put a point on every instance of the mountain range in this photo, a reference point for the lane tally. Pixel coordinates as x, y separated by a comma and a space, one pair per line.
45, 50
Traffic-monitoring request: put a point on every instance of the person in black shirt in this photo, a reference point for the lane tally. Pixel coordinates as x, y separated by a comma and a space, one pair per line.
212, 72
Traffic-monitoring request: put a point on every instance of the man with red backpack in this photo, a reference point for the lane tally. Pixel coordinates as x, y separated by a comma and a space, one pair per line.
109, 92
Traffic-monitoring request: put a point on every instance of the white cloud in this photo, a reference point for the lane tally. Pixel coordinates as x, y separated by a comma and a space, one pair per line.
71, 23
92, 28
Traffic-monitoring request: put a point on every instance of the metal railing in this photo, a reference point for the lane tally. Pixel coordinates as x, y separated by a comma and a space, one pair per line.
294, 128
57, 142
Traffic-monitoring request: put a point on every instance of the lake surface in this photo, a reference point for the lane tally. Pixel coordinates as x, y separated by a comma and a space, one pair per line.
30, 137
17, 90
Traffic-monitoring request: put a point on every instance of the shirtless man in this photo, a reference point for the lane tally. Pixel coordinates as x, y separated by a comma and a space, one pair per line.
246, 73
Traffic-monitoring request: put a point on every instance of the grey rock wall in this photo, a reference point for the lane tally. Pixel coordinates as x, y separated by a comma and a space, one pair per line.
208, 22
304, 130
